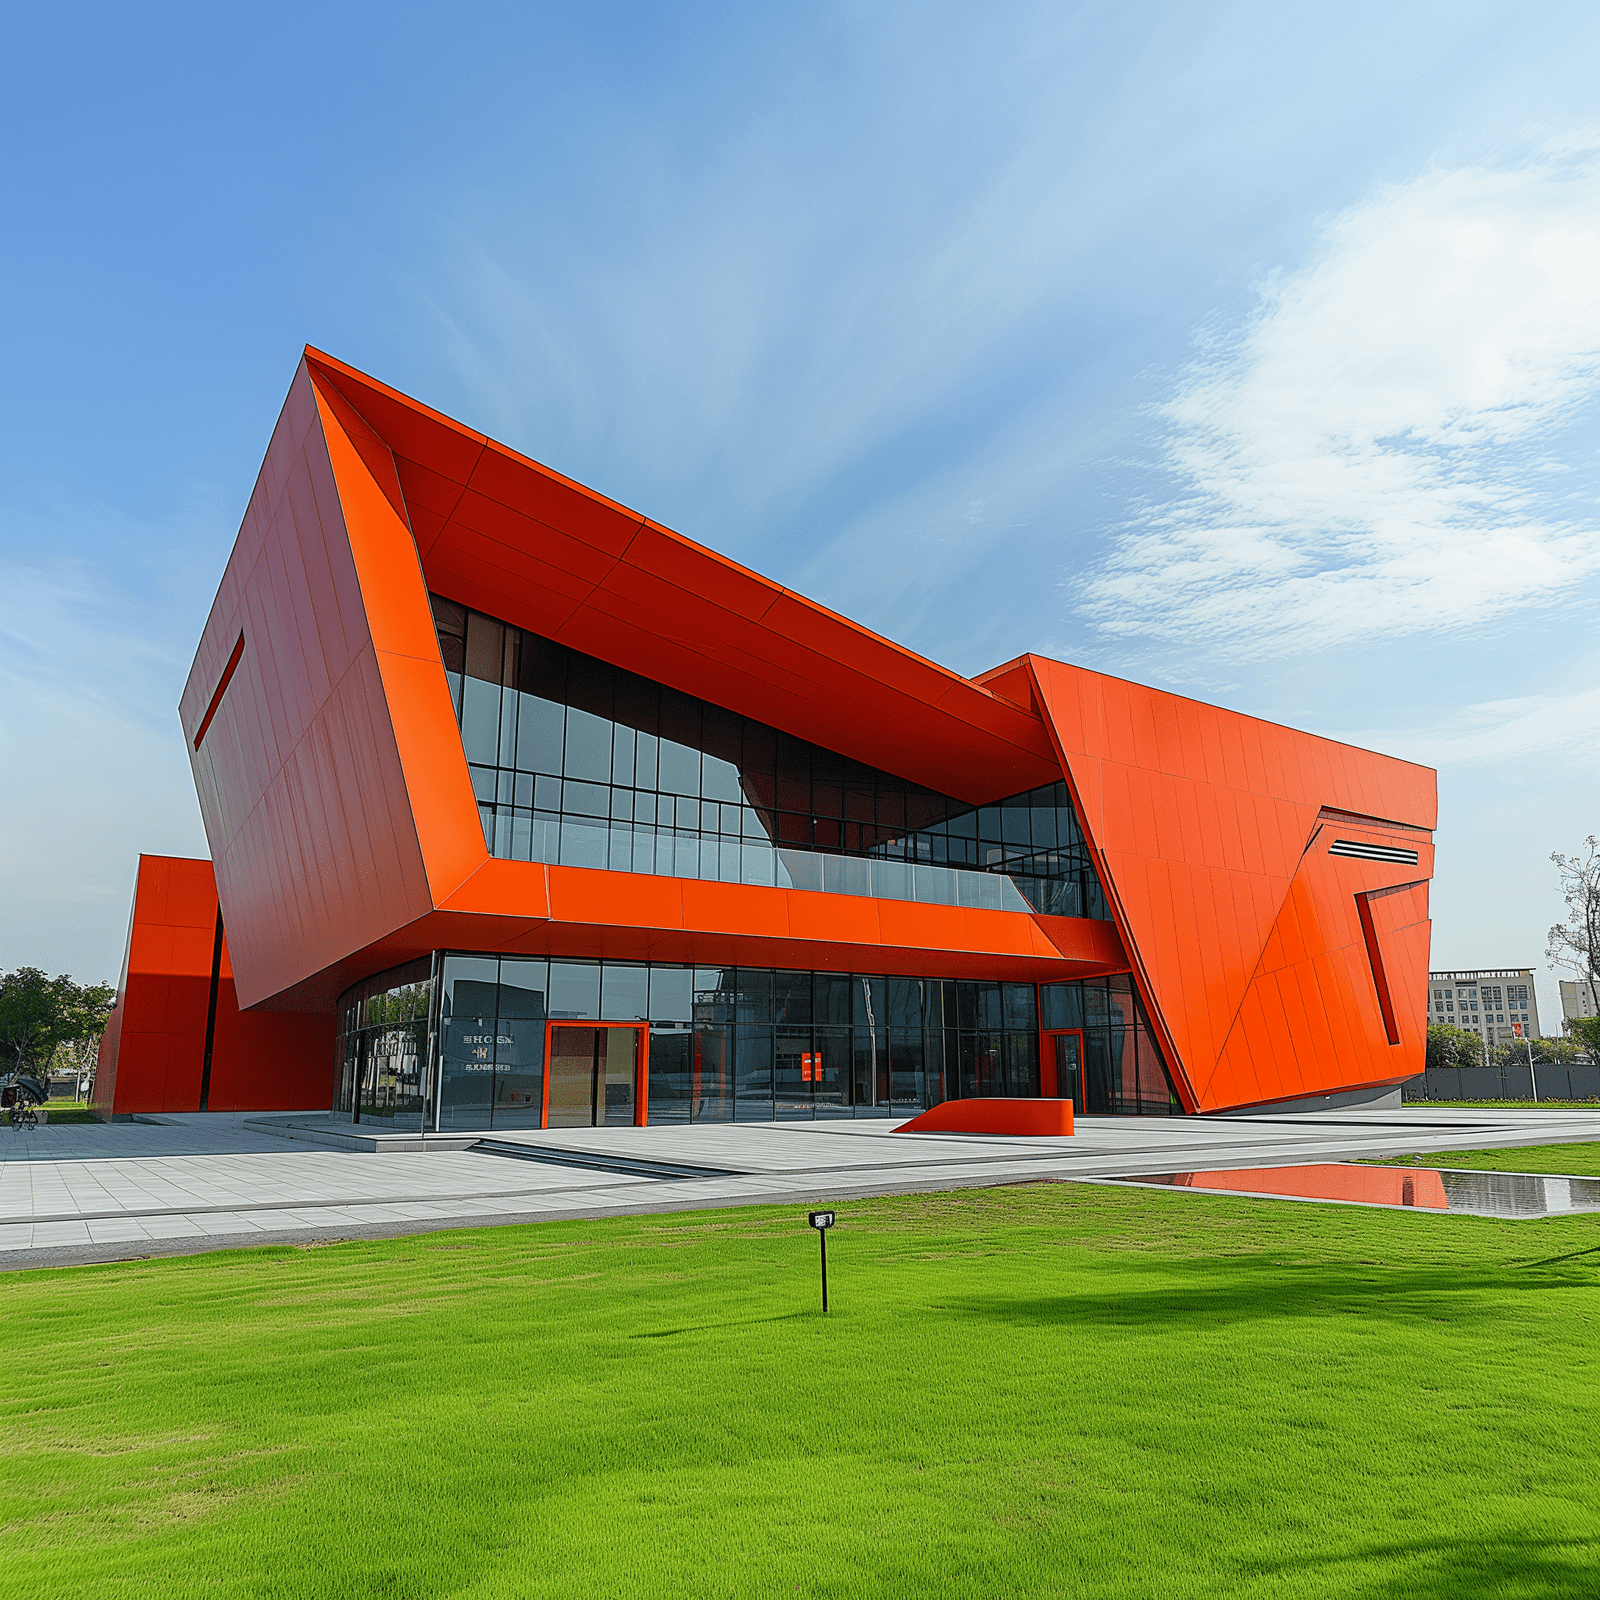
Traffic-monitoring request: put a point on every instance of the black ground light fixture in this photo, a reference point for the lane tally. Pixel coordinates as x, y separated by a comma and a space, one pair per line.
822, 1221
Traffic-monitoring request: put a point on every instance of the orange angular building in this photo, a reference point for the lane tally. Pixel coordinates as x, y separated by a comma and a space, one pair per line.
527, 811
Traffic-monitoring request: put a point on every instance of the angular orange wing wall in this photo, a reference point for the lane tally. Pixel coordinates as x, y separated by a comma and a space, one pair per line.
152, 1057
1312, 1020
302, 789
1200, 818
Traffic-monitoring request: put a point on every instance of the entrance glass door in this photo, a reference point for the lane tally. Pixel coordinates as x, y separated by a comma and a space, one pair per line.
593, 1076
1066, 1052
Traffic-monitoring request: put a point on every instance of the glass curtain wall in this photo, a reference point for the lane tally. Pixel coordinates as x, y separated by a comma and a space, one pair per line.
579, 762
754, 1044
1124, 1072
383, 1047
492, 1014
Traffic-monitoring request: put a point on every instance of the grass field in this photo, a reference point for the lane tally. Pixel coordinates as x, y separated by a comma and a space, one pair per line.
1035, 1391
63, 1111
1578, 1160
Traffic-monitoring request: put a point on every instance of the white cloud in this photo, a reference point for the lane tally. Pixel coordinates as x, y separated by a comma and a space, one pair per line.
1560, 726
1376, 453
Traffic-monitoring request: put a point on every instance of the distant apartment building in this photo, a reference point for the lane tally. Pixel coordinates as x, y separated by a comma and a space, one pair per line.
1577, 1000
1490, 1002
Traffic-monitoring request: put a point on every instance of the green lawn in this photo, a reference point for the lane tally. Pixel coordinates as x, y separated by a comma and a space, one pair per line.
1578, 1160
1042, 1390
62, 1111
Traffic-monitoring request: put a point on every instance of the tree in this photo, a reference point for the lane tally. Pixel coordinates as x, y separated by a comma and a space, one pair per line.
1575, 943
38, 1013
1585, 1031
1453, 1047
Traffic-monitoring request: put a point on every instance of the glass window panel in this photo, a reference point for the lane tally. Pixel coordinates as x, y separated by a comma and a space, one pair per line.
711, 1098
680, 721
906, 1069
1099, 1085
588, 747
617, 1089
754, 987
869, 1003
591, 687
485, 649
802, 868
989, 1063
871, 1071
1021, 1064
644, 761
760, 748
832, 998
624, 992
1014, 821
480, 720
622, 741
523, 985
830, 1093
575, 990
714, 994
1096, 1011
1062, 1005
791, 995
519, 1068
792, 1080
584, 844
1020, 1009
891, 880
753, 1094
679, 769
542, 670
934, 1081
448, 616
637, 703
467, 1041
965, 1055
671, 994
1044, 827
671, 1075
540, 730
586, 799
902, 1003
720, 781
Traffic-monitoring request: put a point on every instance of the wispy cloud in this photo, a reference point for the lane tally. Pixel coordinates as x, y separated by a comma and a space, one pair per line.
1377, 452
1498, 732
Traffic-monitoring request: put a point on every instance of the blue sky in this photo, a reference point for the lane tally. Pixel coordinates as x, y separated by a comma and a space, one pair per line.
1247, 350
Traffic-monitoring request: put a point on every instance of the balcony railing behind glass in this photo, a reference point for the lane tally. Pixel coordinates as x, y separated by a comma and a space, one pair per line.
519, 835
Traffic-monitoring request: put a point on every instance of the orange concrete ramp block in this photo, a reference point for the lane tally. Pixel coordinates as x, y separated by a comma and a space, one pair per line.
1030, 1118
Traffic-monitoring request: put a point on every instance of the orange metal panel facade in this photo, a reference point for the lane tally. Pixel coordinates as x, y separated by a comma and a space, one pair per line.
1212, 830
152, 1056
337, 799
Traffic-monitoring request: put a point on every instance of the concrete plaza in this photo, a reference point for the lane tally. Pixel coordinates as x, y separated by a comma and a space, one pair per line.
182, 1184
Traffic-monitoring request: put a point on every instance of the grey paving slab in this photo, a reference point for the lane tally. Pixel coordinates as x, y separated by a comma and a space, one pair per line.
65, 1190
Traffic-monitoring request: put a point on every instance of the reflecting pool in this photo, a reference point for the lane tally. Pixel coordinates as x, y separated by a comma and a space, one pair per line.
1482, 1194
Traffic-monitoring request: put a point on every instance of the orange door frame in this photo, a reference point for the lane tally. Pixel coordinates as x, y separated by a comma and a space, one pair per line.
641, 1072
